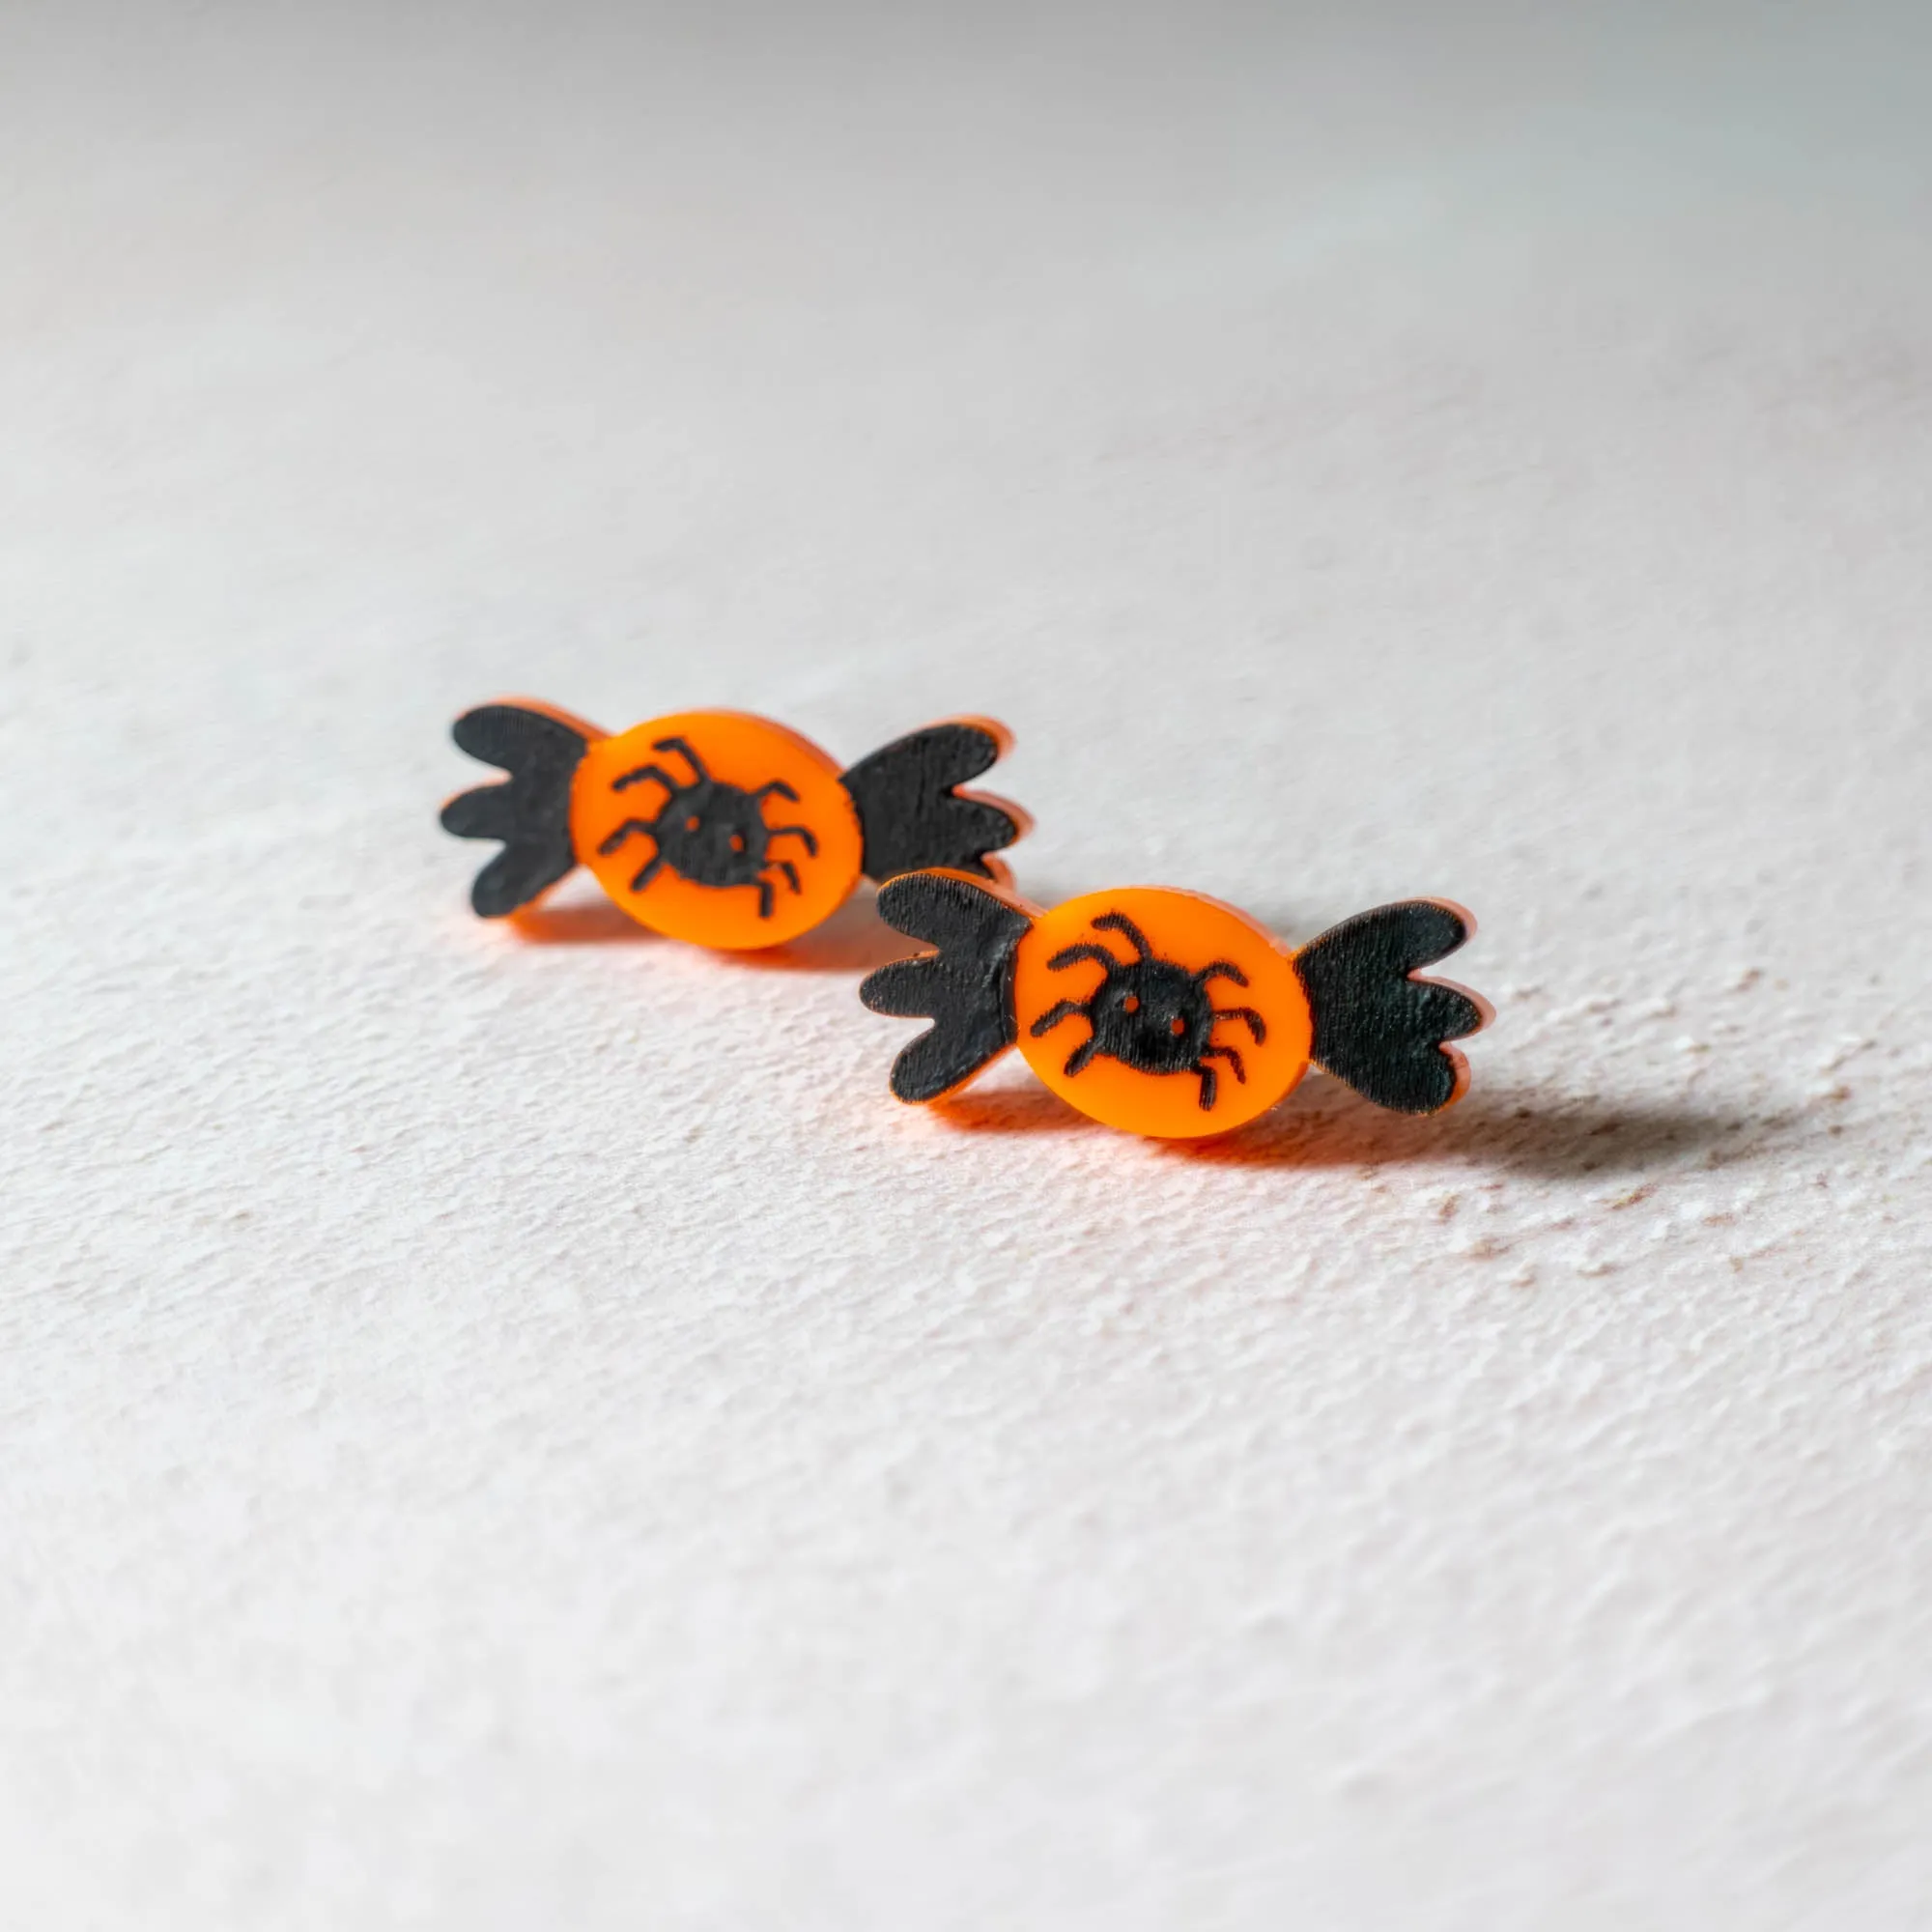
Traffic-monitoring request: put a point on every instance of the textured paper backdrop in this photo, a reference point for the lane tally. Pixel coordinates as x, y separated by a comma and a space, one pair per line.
507, 1433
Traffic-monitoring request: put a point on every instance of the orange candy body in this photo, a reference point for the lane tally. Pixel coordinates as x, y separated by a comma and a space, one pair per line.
704, 843
1140, 1030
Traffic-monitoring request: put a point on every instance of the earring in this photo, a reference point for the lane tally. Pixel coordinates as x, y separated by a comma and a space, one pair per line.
1167, 1013
717, 826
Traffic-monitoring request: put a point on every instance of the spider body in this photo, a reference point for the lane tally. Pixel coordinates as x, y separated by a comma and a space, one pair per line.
1151, 1013
709, 831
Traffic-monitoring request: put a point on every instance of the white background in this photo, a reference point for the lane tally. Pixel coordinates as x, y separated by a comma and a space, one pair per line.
522, 1432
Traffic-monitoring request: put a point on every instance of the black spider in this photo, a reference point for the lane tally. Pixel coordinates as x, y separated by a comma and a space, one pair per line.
1151, 1015
709, 831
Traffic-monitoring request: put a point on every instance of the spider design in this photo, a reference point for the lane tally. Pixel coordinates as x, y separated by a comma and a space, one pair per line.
709, 831
1149, 1013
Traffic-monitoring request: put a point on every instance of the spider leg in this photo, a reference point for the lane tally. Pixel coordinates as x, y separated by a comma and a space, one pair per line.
805, 832
648, 872
790, 872
695, 763
1081, 1053
780, 786
1256, 1025
1222, 969
643, 772
624, 831
1118, 922
1053, 1016
1073, 953
1208, 1088
1233, 1058
765, 887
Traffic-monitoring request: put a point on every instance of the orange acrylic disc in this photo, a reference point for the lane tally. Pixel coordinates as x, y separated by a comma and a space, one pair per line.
717, 827
1164, 1013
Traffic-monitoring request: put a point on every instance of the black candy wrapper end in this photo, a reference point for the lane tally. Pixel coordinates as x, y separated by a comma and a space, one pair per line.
1377, 1027
531, 811
910, 812
965, 988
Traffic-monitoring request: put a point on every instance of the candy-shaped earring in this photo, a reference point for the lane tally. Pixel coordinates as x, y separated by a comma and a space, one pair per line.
1167, 1013
716, 826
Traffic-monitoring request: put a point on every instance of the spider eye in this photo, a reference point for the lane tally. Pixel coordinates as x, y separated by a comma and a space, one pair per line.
1176, 1026
1131, 1004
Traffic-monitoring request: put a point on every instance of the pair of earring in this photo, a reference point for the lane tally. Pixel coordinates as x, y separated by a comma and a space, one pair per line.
1160, 1011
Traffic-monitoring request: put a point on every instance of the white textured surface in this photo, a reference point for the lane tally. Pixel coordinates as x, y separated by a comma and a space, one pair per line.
508, 1436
